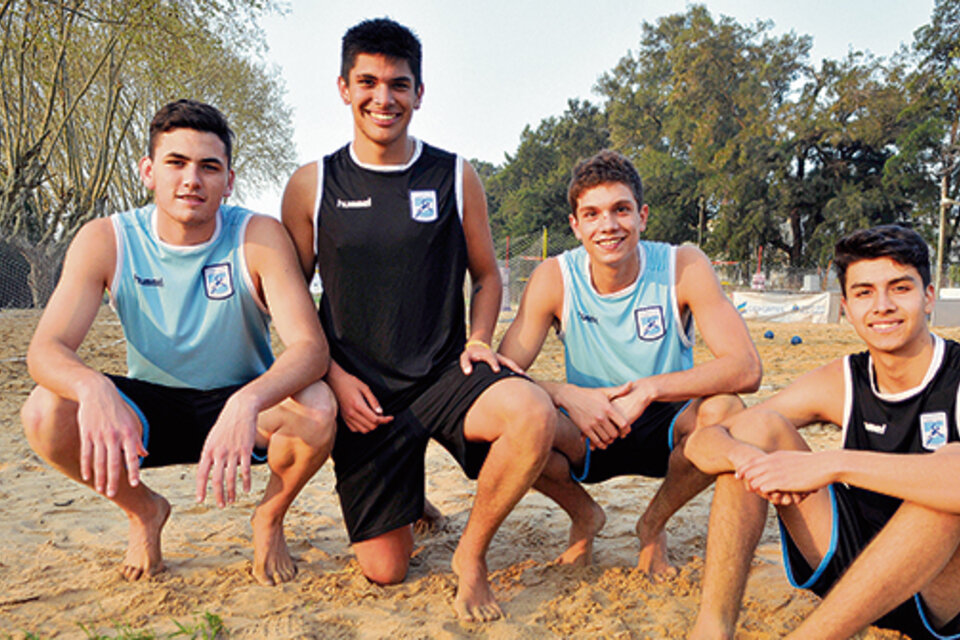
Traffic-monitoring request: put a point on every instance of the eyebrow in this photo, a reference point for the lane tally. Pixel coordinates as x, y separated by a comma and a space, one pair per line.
179, 156
903, 278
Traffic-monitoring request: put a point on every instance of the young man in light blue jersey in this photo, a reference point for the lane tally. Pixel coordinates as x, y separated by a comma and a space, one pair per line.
195, 284
624, 309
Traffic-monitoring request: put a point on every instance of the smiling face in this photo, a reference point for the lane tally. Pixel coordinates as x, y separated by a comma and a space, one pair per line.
608, 222
382, 94
887, 304
189, 175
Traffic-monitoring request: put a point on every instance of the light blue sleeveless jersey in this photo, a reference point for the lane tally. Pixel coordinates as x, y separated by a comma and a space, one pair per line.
631, 334
190, 314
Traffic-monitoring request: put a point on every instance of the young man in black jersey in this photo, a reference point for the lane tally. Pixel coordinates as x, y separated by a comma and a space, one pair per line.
393, 224
874, 528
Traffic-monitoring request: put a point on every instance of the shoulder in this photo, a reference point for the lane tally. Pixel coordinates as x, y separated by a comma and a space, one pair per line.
817, 395
303, 182
96, 235
548, 275
265, 229
544, 290
689, 255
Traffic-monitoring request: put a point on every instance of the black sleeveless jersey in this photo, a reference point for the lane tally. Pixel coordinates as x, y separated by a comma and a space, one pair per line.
392, 259
919, 420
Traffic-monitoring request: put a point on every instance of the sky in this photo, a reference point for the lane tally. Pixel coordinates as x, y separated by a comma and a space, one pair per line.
492, 67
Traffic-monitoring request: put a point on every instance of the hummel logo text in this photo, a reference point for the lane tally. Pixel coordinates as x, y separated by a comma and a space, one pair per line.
355, 204
879, 429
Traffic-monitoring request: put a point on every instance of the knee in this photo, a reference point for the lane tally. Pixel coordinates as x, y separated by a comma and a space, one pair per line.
384, 560
385, 572
764, 429
716, 409
316, 424
533, 418
39, 418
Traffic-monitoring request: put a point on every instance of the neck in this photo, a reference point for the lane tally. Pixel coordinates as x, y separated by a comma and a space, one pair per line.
397, 152
904, 369
184, 235
613, 278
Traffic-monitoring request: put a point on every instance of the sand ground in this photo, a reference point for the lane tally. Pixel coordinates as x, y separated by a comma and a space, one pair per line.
60, 544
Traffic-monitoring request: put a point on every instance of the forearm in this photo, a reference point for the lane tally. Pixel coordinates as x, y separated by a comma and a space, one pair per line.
299, 365
929, 480
713, 449
485, 307
59, 369
721, 375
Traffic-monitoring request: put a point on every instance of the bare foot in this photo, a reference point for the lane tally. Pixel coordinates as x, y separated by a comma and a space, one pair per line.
579, 553
144, 558
431, 521
652, 558
272, 563
475, 601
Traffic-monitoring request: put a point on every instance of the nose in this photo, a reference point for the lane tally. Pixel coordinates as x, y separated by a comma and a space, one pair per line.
884, 303
191, 176
381, 94
608, 220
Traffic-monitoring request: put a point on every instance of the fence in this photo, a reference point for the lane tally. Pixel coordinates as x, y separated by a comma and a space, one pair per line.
518, 256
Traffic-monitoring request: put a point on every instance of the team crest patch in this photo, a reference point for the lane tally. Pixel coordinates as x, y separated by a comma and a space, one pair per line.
218, 281
650, 324
933, 430
423, 206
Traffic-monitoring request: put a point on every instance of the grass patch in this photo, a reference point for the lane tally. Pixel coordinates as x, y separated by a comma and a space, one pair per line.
204, 627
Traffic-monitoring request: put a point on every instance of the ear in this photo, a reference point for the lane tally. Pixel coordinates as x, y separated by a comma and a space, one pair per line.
344, 90
228, 190
575, 225
416, 103
146, 172
644, 214
929, 299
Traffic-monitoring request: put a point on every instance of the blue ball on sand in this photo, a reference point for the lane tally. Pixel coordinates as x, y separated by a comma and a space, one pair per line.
796, 340
768, 334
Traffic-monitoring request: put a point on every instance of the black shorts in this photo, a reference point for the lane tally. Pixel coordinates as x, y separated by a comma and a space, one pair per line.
380, 474
851, 532
645, 451
175, 421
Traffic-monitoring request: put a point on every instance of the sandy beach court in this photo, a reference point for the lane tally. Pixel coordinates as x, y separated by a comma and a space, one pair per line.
60, 544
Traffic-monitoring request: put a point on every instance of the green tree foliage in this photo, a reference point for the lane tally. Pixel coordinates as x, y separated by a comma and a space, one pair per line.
742, 142
530, 190
79, 82
928, 162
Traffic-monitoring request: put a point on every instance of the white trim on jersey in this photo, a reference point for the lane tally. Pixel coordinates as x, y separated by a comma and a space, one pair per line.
390, 168
316, 212
458, 185
847, 398
685, 325
184, 249
244, 268
565, 305
935, 362
118, 263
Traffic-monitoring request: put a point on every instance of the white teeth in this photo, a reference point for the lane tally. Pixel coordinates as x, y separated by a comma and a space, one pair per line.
383, 117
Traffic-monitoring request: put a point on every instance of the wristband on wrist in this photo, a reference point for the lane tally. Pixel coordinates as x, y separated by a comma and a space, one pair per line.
479, 343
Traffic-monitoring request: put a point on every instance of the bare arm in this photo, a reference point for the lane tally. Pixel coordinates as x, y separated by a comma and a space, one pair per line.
541, 306
273, 267
484, 276
816, 396
358, 406
296, 211
109, 431
735, 367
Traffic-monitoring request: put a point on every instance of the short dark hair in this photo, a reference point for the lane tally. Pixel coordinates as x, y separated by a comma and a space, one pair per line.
191, 114
901, 244
381, 36
603, 167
